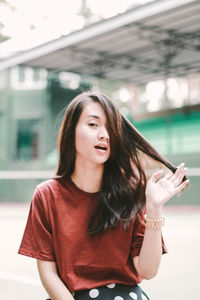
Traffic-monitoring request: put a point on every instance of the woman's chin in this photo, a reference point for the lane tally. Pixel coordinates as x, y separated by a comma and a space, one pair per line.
100, 161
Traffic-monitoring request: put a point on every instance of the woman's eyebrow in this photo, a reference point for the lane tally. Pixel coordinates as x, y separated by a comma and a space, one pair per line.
97, 118
94, 116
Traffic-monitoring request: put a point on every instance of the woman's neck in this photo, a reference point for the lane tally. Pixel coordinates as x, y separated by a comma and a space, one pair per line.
88, 178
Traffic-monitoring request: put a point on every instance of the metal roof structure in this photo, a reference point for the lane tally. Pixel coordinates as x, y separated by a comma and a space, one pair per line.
149, 42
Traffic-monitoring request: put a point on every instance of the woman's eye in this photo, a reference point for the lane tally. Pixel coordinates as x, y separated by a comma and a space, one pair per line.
93, 124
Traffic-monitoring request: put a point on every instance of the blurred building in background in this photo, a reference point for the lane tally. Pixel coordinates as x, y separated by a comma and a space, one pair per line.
30, 102
146, 59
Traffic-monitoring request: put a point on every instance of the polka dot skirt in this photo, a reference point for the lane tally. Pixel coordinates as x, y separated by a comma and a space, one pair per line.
112, 292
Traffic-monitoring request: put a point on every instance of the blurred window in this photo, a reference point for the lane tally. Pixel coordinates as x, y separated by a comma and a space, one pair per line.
27, 144
24, 78
2, 80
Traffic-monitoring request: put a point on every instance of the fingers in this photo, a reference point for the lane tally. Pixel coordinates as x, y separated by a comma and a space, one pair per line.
156, 175
169, 175
177, 177
179, 172
181, 187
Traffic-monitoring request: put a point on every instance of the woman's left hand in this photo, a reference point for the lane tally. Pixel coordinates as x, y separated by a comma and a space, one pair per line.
158, 192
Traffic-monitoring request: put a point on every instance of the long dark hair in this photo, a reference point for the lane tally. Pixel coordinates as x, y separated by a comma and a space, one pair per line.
124, 180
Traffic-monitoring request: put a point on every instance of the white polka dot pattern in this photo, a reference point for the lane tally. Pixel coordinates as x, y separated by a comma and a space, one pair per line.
133, 295
118, 298
93, 293
111, 286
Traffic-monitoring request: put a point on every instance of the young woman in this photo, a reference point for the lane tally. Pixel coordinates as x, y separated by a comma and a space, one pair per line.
95, 228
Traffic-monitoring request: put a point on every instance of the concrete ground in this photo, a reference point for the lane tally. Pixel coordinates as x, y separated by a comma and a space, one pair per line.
178, 278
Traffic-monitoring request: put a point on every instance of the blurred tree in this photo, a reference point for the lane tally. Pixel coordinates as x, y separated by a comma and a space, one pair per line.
2, 36
85, 12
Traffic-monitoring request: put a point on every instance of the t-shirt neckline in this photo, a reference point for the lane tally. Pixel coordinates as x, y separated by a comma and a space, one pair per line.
75, 187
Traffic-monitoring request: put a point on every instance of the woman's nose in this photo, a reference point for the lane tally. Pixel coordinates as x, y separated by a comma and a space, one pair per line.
103, 135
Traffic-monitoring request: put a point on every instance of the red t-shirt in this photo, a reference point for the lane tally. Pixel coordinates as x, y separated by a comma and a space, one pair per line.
57, 230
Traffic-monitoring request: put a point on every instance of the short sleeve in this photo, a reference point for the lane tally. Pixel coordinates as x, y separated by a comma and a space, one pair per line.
37, 237
138, 235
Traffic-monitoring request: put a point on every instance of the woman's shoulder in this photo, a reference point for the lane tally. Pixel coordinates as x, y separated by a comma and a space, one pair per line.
48, 186
47, 192
47, 183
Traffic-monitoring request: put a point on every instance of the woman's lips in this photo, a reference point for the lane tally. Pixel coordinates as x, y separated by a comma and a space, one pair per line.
101, 148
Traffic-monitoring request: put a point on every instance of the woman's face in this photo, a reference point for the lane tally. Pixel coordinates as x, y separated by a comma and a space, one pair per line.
91, 135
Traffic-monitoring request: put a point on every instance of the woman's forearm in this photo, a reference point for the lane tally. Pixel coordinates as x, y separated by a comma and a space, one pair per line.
150, 255
52, 283
158, 192
148, 262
